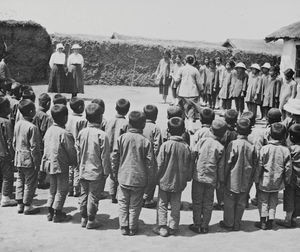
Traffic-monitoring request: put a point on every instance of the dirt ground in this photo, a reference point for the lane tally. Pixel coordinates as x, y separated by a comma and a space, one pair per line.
35, 233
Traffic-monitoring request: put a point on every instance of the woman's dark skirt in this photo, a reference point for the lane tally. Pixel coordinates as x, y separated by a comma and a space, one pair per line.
75, 79
57, 80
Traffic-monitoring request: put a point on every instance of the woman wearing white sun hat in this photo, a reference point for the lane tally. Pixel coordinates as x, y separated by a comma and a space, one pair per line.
75, 73
57, 78
253, 94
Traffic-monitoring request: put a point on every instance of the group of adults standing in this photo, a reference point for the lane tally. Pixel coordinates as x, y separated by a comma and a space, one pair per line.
217, 85
66, 74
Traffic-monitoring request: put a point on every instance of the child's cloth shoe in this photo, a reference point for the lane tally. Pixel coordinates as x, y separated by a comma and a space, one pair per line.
20, 208
61, 217
84, 222
93, 224
204, 230
124, 230
7, 201
132, 232
50, 214
195, 228
30, 210
172, 231
223, 225
260, 225
269, 224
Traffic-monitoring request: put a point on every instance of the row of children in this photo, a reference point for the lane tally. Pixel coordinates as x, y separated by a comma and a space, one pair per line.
225, 157
258, 86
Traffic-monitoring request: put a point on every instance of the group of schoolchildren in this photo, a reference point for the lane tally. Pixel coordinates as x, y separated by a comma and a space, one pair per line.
80, 150
258, 87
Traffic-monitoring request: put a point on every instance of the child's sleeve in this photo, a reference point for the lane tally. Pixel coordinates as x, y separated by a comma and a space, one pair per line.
245, 84
115, 160
221, 165
105, 156
150, 163
8, 134
69, 146
157, 141
160, 163
35, 146
230, 159
288, 169
258, 168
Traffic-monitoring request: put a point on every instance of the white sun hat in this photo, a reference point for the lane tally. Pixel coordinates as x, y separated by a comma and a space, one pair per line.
76, 46
240, 65
255, 66
266, 65
292, 106
59, 45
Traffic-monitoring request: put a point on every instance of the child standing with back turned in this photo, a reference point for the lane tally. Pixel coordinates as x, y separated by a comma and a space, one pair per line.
132, 165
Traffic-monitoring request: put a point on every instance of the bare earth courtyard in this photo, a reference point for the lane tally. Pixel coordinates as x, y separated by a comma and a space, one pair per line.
35, 233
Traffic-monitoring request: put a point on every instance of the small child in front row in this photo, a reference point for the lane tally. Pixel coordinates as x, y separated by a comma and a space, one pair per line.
132, 165
59, 154
291, 195
241, 160
153, 133
27, 145
273, 116
115, 128
174, 170
207, 115
76, 122
101, 103
273, 173
210, 158
94, 165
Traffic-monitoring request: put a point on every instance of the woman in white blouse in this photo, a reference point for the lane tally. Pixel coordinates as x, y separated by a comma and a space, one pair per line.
75, 73
57, 63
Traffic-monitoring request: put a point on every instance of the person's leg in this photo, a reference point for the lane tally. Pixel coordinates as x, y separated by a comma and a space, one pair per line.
7, 184
71, 181
207, 206
209, 97
135, 206
51, 196
175, 202
197, 199
83, 201
30, 185
20, 186
93, 202
220, 196
76, 182
288, 206
213, 100
60, 197
273, 201
254, 109
229, 208
162, 212
124, 201
263, 209
240, 208
113, 190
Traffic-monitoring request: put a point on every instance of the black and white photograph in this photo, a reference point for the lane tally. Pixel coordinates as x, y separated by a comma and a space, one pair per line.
149, 125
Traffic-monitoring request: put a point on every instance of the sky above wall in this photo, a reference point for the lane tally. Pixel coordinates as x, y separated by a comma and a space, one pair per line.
210, 20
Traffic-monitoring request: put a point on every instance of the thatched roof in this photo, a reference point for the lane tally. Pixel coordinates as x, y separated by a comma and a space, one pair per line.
254, 45
168, 43
291, 31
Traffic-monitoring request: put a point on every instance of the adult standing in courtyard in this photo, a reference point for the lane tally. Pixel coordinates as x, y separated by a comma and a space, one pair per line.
75, 73
57, 80
190, 87
163, 75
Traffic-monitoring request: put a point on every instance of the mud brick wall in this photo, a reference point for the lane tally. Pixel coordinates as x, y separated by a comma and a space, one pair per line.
27, 49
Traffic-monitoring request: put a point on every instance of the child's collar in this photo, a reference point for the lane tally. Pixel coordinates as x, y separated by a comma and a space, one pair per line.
134, 130
27, 118
150, 121
76, 114
61, 126
119, 116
